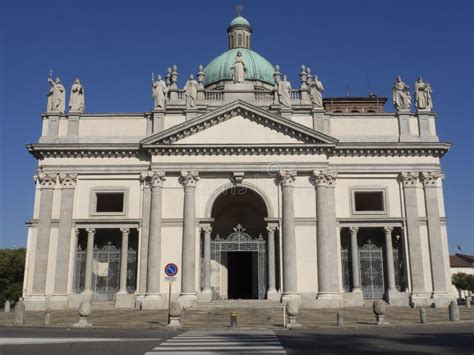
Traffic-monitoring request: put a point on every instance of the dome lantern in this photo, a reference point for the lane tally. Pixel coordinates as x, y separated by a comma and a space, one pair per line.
239, 33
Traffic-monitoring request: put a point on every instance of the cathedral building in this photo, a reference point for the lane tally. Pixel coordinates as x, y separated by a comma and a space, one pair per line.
252, 187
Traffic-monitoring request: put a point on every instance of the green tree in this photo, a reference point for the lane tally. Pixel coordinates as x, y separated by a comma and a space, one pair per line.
12, 269
463, 281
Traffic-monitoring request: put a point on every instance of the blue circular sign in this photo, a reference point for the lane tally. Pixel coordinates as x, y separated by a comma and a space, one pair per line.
171, 269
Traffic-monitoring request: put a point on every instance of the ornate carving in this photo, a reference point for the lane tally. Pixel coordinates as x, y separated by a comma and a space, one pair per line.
190, 91
68, 181
287, 177
401, 95
430, 179
354, 230
271, 229
207, 229
408, 178
388, 229
90, 230
423, 95
324, 178
189, 178
125, 230
76, 99
45, 180
152, 178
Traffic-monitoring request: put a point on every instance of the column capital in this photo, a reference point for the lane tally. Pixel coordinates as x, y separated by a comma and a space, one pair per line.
430, 179
90, 230
46, 181
323, 178
271, 228
354, 229
408, 178
67, 180
388, 229
76, 231
286, 177
125, 230
189, 178
207, 228
152, 178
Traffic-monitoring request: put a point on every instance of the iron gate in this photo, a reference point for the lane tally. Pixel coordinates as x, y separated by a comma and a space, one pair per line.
371, 270
239, 240
105, 271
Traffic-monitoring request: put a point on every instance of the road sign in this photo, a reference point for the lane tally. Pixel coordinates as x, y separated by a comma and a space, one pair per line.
171, 269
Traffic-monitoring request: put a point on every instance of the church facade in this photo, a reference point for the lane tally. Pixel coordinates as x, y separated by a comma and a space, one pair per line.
254, 189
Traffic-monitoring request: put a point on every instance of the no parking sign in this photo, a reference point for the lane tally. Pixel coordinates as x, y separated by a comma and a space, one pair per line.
171, 270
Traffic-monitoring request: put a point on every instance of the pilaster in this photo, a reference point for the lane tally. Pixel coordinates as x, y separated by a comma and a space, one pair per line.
321, 122
158, 118
426, 124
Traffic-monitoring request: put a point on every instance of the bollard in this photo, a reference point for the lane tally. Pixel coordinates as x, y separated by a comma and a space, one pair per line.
175, 316
233, 320
468, 302
47, 316
20, 312
340, 319
453, 312
84, 312
7, 306
422, 315
378, 308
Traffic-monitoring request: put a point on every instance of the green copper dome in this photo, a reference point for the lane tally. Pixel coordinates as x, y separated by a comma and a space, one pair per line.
258, 68
239, 21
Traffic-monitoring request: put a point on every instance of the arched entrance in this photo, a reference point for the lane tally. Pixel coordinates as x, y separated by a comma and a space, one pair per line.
238, 246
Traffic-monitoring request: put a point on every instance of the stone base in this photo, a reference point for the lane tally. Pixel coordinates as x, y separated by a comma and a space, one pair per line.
329, 300
35, 303
273, 295
397, 298
187, 300
204, 297
57, 302
286, 297
292, 324
441, 299
353, 299
83, 323
125, 300
175, 323
420, 300
153, 302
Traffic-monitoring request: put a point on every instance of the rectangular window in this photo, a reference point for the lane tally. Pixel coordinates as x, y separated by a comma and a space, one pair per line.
369, 201
109, 202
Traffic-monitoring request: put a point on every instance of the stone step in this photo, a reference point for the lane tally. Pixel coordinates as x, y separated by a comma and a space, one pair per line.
103, 305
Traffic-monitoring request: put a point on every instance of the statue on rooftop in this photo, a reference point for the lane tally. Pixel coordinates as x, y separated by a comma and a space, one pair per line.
316, 92
76, 99
238, 68
401, 95
160, 90
190, 91
284, 91
56, 95
423, 95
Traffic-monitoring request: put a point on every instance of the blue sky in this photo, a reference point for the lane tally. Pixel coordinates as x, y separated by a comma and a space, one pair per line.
113, 47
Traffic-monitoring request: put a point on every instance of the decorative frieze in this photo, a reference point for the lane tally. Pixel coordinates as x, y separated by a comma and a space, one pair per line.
189, 178
408, 178
430, 179
324, 178
286, 177
68, 181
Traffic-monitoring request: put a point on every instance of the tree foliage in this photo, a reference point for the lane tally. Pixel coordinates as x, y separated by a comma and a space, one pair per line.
463, 281
12, 268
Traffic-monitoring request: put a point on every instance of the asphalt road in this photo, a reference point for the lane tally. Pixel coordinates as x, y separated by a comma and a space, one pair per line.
445, 339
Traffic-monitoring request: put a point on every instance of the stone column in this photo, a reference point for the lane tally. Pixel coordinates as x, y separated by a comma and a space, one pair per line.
287, 181
47, 183
124, 260
355, 260
88, 292
272, 293
188, 179
207, 259
153, 295
438, 254
68, 185
329, 294
145, 179
389, 259
417, 271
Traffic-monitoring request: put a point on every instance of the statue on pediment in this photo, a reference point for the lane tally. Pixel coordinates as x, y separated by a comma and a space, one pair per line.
401, 95
284, 92
56, 95
316, 92
76, 99
423, 95
238, 68
159, 91
190, 91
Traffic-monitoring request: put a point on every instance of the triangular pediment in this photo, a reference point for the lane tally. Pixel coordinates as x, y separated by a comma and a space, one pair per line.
239, 123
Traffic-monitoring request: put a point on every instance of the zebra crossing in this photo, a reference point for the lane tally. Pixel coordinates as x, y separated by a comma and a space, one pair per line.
216, 342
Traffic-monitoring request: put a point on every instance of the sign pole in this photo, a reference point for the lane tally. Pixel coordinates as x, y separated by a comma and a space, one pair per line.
169, 299
171, 270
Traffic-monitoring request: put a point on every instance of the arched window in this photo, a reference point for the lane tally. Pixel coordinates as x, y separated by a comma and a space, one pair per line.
370, 111
248, 41
337, 111
239, 40
355, 111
